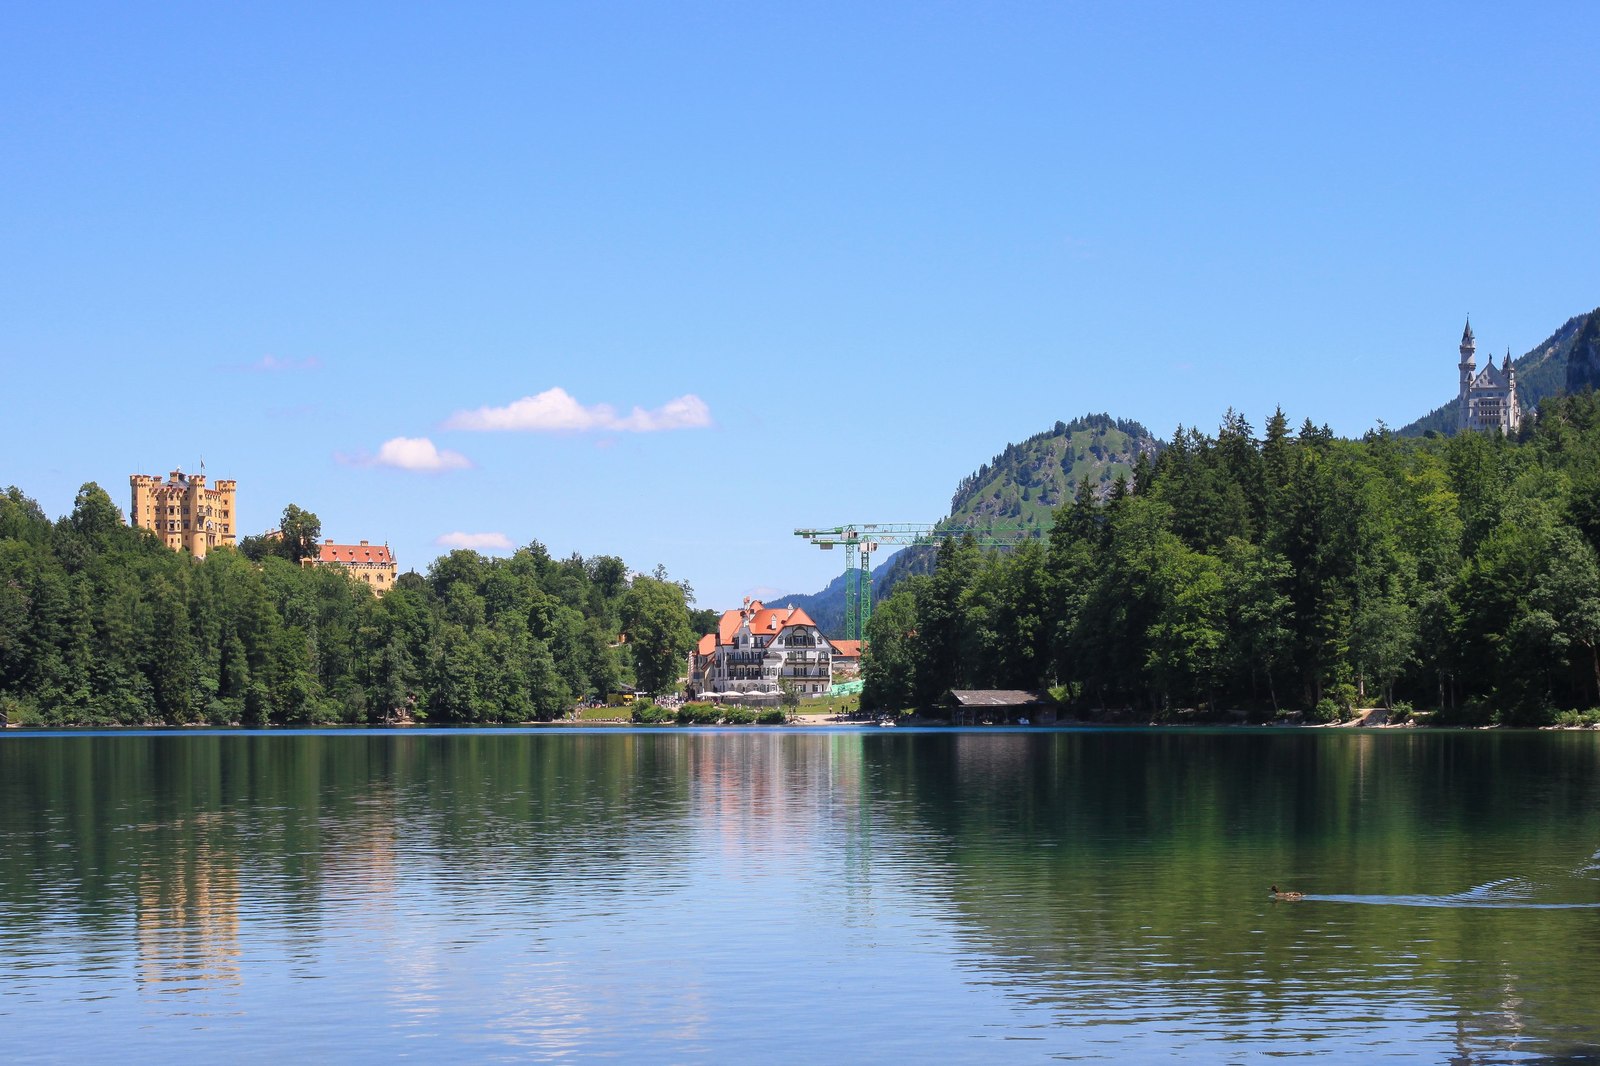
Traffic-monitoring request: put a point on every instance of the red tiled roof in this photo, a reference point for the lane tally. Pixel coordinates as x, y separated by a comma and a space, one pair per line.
777, 619
707, 645
763, 619
729, 625
355, 553
850, 649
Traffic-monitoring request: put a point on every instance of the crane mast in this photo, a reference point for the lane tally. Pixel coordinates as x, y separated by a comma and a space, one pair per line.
861, 539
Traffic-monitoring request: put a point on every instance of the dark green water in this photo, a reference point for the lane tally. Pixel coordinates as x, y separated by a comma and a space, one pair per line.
801, 896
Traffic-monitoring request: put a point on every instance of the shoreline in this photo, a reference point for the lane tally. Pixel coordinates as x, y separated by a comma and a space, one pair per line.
804, 721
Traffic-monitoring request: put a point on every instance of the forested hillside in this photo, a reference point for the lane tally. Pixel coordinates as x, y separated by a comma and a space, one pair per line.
1583, 360
1541, 373
1022, 486
99, 623
1297, 572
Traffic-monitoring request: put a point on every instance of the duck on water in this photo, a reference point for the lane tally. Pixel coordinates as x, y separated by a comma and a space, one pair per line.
1286, 897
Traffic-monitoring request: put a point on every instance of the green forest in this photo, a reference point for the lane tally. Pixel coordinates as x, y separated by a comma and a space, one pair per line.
1290, 572
102, 624
1287, 573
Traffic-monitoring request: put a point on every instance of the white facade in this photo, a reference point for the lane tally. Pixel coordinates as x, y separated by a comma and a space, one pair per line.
1488, 398
756, 649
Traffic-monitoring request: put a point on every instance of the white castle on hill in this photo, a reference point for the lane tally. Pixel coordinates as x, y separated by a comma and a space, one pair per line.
1488, 396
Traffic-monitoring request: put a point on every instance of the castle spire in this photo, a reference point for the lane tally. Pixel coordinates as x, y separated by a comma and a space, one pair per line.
1507, 364
1467, 369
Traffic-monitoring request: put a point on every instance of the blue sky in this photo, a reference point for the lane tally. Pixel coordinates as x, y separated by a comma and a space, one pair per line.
667, 280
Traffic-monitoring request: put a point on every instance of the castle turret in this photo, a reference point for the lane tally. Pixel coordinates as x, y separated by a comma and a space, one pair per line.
1468, 367
1513, 404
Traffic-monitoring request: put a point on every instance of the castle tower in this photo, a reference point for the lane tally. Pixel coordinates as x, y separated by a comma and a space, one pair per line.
1513, 405
142, 513
1468, 367
193, 509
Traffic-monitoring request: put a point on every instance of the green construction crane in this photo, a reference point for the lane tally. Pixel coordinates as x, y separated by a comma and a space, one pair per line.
860, 540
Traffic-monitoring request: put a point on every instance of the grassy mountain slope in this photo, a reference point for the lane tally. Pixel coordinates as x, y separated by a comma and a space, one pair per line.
1026, 483
1023, 485
1541, 372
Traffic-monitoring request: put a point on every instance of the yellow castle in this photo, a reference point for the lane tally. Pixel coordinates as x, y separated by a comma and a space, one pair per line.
183, 512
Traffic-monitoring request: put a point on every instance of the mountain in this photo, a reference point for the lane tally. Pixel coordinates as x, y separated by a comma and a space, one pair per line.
1021, 486
1583, 364
1024, 484
1541, 372
826, 608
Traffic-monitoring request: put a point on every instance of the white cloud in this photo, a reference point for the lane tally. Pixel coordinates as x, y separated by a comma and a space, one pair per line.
269, 364
555, 411
475, 541
410, 453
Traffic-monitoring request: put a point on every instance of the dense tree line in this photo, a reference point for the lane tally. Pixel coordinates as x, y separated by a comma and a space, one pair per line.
100, 623
1294, 571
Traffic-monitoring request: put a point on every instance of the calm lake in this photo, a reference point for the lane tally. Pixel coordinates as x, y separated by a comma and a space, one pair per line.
795, 896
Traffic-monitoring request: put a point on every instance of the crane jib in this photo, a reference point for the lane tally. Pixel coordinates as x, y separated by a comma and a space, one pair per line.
861, 539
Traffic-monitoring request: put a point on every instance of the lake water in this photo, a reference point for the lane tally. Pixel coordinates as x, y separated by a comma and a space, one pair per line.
798, 896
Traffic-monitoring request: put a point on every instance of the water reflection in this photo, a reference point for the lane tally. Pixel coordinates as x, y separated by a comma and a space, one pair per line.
187, 916
1157, 914
799, 896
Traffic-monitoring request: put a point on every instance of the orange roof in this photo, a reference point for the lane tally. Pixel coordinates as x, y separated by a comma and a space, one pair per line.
729, 625
763, 619
773, 620
850, 649
354, 553
707, 645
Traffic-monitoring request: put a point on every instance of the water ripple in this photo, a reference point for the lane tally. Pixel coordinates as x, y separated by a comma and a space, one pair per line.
1509, 893
792, 897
